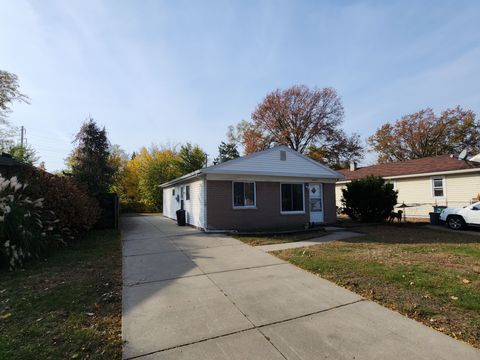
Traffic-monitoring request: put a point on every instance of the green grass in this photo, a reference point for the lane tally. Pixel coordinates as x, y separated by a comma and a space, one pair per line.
66, 306
428, 275
279, 238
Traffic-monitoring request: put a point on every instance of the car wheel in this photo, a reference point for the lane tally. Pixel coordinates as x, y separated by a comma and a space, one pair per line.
455, 222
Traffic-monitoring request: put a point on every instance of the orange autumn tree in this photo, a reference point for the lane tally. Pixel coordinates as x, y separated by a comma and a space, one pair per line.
306, 120
423, 134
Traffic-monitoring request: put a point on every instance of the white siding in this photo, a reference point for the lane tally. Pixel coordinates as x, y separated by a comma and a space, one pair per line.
462, 189
269, 163
339, 194
459, 190
194, 208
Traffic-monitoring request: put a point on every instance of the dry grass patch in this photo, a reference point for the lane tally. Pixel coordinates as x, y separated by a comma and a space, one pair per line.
270, 239
428, 275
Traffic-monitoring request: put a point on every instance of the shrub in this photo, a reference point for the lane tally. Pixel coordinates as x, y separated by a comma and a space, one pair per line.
26, 229
370, 199
75, 210
131, 206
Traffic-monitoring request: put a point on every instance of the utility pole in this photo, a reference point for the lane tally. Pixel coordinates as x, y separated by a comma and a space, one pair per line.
22, 132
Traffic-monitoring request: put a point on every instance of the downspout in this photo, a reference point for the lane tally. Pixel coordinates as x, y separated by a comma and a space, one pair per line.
205, 203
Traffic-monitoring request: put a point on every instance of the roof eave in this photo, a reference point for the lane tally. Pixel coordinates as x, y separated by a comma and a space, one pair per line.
406, 176
275, 174
182, 179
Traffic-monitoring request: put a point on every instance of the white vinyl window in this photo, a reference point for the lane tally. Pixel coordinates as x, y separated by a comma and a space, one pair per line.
438, 187
187, 192
244, 195
293, 198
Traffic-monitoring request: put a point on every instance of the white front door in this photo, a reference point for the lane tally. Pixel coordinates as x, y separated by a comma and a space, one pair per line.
315, 192
182, 197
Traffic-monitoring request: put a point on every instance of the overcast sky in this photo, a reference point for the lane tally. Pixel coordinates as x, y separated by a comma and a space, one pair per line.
177, 71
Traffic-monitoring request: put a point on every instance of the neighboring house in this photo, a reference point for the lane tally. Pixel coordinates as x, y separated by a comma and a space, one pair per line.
276, 188
9, 166
423, 183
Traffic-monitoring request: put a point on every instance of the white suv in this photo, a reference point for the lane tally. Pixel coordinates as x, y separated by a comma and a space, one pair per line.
458, 218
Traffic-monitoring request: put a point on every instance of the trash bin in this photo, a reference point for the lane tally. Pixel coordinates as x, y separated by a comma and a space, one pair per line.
434, 218
438, 209
181, 217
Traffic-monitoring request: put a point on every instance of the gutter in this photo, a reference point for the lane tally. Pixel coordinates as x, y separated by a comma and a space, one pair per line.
181, 179
450, 172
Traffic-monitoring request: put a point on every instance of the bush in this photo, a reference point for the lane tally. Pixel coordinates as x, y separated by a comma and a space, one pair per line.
34, 218
131, 206
27, 229
369, 200
76, 211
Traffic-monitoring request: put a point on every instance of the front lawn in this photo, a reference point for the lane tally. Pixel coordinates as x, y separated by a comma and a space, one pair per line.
67, 306
256, 240
429, 275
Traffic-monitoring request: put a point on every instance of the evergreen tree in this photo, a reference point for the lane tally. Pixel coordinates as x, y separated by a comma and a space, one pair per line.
226, 151
25, 154
191, 158
90, 160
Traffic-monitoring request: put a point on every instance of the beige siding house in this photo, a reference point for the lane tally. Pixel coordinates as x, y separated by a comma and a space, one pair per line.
272, 189
423, 183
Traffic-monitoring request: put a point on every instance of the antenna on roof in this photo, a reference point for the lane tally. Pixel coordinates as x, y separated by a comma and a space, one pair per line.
463, 155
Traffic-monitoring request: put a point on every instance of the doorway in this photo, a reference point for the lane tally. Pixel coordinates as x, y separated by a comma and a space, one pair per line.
315, 192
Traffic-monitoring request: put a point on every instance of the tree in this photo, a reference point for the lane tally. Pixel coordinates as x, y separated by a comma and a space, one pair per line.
154, 167
226, 151
118, 160
339, 151
302, 118
25, 154
9, 93
423, 134
138, 182
370, 199
190, 158
89, 161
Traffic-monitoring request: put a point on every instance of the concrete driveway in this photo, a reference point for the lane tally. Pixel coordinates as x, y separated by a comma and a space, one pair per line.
189, 295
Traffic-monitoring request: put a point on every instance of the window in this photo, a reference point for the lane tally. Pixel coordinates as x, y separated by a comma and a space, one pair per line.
173, 192
187, 192
438, 190
243, 194
292, 198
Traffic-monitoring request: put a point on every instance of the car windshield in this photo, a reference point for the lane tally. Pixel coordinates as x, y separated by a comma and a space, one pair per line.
477, 204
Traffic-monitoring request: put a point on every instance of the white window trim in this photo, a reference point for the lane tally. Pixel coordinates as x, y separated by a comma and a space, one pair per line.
189, 195
296, 212
254, 206
444, 188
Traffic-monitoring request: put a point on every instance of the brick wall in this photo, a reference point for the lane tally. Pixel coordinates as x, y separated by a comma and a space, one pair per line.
330, 213
221, 215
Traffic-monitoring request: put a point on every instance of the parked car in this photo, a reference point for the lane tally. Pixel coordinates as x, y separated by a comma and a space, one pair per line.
459, 218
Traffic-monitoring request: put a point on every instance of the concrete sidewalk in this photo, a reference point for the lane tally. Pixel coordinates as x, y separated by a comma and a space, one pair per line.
337, 235
189, 295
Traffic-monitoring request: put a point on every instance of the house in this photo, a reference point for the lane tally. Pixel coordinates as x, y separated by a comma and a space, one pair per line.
443, 180
9, 166
276, 188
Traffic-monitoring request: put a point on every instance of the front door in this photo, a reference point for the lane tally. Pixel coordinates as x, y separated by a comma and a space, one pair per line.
182, 197
315, 192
